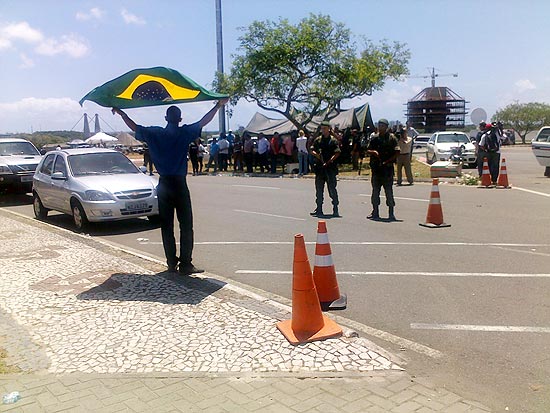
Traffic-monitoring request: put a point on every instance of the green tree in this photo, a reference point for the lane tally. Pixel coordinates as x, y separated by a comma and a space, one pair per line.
311, 66
524, 117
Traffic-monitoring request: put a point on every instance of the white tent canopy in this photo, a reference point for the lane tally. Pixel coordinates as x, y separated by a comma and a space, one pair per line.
100, 138
351, 118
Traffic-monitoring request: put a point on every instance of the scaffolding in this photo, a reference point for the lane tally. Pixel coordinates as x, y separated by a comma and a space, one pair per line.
436, 109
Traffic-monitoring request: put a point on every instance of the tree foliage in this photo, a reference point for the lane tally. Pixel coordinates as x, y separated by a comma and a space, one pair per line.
311, 66
524, 117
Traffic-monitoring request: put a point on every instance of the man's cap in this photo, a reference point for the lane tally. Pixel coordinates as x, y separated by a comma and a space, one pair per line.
384, 121
325, 123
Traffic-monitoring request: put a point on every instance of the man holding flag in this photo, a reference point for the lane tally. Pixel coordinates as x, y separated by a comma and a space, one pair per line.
168, 149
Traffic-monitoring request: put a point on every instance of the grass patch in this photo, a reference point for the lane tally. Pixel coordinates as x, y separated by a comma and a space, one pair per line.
4, 368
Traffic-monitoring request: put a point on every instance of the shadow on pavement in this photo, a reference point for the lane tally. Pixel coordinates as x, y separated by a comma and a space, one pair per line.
164, 287
127, 226
9, 199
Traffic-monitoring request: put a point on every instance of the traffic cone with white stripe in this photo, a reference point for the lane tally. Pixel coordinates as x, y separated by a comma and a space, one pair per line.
503, 175
434, 218
486, 175
324, 273
308, 322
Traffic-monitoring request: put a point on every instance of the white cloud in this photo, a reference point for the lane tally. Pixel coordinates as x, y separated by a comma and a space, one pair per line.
4, 43
14, 33
21, 31
523, 85
94, 13
71, 45
35, 113
130, 18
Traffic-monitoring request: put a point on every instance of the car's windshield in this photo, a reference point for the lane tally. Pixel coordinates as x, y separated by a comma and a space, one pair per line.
107, 163
17, 148
453, 138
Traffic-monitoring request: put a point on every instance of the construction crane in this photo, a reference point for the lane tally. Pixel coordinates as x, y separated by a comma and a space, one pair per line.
433, 75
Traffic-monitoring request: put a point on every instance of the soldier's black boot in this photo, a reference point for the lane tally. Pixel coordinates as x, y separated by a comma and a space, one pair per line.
318, 212
391, 216
335, 213
374, 215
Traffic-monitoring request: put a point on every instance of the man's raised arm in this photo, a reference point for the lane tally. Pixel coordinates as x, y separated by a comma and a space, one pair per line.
206, 119
129, 122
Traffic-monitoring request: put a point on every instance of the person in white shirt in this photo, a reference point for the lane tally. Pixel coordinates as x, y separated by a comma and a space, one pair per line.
490, 143
223, 155
404, 157
301, 144
263, 150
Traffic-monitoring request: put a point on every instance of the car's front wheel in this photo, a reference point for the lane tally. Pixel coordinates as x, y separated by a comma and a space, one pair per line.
39, 211
79, 216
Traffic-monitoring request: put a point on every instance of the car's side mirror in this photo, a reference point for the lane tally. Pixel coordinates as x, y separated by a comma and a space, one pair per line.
143, 169
59, 176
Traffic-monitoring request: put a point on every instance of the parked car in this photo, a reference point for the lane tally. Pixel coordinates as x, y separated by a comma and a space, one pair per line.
420, 141
18, 161
93, 185
540, 146
440, 147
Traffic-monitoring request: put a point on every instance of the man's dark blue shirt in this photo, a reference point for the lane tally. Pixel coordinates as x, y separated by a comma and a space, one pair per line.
169, 146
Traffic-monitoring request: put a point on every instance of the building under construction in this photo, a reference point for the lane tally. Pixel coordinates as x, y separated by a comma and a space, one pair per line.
436, 109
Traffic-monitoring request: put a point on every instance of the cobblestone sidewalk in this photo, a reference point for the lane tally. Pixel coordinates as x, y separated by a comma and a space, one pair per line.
93, 328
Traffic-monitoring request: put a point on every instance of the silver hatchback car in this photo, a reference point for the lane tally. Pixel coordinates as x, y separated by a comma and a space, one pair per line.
93, 185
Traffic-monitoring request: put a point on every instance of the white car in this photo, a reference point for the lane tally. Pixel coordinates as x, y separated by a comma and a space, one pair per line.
442, 145
93, 185
540, 146
18, 161
421, 141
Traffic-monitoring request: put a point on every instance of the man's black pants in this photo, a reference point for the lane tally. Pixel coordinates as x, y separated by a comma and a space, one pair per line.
383, 178
328, 176
173, 195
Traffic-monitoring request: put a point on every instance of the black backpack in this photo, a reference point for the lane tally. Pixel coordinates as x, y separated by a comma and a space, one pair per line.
491, 141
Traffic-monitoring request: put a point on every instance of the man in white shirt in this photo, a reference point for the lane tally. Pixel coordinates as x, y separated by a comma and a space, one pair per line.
404, 157
301, 144
263, 148
490, 143
224, 152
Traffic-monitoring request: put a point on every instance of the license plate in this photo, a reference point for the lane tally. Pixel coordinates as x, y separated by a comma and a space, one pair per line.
26, 178
136, 206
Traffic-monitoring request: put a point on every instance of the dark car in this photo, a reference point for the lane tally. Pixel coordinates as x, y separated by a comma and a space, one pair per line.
18, 161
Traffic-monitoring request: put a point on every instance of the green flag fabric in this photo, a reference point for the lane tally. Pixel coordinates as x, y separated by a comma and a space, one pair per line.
149, 87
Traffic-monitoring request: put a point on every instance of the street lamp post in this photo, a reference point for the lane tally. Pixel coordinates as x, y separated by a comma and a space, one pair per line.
219, 43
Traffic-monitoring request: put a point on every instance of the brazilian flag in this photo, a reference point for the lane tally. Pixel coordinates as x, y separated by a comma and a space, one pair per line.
149, 87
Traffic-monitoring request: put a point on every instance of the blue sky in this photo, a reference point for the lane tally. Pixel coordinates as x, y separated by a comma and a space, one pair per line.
52, 52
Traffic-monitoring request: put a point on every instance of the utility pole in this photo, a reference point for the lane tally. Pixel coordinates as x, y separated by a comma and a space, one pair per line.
219, 43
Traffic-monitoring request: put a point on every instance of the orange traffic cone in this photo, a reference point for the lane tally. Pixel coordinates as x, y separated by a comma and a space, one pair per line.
434, 218
486, 175
503, 175
308, 322
324, 273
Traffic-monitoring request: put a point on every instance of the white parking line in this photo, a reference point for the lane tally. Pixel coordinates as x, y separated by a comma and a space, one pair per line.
471, 327
443, 244
269, 215
256, 186
410, 273
531, 191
